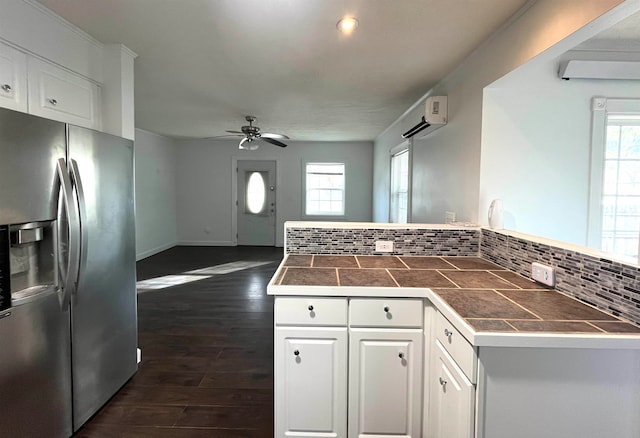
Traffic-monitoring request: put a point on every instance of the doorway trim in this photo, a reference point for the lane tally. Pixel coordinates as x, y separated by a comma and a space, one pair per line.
234, 194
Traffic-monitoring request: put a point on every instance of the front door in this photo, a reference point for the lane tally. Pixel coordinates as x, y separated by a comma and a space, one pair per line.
256, 203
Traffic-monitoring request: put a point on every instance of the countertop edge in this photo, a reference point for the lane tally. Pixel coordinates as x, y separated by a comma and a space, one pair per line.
477, 339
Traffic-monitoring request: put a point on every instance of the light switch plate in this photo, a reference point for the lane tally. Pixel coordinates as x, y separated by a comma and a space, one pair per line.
384, 246
543, 274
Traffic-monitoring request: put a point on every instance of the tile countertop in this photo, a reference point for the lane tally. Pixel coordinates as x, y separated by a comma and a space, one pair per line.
490, 305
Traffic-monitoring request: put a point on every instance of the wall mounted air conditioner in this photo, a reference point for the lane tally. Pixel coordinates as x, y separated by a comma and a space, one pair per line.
435, 116
579, 69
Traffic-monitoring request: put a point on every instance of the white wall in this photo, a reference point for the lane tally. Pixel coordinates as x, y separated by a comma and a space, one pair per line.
205, 177
446, 166
155, 177
536, 137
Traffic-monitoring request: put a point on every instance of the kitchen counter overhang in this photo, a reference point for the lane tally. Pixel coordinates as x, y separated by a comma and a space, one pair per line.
479, 283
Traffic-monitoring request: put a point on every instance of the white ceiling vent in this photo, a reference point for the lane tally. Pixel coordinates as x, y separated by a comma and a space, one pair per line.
578, 69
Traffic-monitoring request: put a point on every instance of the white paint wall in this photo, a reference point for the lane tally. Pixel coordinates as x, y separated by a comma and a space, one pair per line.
536, 148
447, 166
204, 184
155, 177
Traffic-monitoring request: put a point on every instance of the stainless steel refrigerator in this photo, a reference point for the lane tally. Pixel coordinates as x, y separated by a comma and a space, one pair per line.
68, 325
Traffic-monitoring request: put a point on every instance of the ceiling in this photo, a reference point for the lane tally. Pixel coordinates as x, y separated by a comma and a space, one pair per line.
623, 37
204, 64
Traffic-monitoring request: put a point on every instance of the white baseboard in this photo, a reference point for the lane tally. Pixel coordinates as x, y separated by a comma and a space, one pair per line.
205, 243
149, 253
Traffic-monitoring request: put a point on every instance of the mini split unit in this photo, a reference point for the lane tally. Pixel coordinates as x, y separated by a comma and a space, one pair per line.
435, 116
579, 69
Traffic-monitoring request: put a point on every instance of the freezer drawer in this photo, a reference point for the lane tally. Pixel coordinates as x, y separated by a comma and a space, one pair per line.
35, 369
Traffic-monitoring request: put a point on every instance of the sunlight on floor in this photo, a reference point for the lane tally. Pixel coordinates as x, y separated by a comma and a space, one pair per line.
195, 275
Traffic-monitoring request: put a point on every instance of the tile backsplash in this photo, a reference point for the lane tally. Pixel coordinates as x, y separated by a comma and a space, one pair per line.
609, 285
362, 241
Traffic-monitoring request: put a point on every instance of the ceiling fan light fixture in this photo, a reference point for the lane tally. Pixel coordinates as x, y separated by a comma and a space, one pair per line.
248, 144
347, 25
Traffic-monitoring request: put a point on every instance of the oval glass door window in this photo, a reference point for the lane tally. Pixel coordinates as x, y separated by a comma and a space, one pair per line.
256, 193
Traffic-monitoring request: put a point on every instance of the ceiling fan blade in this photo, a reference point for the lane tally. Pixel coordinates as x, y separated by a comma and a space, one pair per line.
235, 132
273, 141
270, 135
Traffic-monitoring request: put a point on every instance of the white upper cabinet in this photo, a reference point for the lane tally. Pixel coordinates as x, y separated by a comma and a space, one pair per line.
57, 94
51, 68
13, 78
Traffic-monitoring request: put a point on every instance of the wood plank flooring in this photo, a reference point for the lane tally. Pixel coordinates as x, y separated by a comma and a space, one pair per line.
207, 349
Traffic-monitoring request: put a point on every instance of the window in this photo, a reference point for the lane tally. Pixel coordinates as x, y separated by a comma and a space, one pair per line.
621, 186
324, 184
614, 221
399, 203
256, 193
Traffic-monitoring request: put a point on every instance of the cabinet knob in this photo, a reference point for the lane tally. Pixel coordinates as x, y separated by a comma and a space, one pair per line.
401, 355
53, 102
448, 334
296, 353
443, 382
310, 307
386, 309
6, 87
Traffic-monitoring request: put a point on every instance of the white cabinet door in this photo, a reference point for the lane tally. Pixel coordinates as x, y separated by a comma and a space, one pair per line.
310, 382
57, 94
385, 383
13, 78
452, 398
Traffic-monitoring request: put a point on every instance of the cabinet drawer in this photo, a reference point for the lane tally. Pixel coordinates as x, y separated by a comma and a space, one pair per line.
57, 94
311, 311
385, 313
457, 346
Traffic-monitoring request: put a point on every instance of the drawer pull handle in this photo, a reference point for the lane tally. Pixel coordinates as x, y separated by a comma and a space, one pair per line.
448, 334
443, 382
310, 308
401, 355
386, 309
53, 102
6, 88
296, 353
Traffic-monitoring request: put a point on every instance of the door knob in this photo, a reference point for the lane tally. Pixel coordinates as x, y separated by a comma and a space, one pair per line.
6, 87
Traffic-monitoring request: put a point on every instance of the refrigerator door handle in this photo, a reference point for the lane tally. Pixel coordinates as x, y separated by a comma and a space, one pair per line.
82, 215
70, 279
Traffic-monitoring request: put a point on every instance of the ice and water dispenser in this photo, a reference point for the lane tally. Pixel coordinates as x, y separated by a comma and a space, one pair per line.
27, 262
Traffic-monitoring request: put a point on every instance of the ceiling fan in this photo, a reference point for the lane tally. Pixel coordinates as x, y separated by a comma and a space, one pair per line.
252, 133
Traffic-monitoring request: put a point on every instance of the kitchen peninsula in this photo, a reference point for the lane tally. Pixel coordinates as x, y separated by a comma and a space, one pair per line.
441, 345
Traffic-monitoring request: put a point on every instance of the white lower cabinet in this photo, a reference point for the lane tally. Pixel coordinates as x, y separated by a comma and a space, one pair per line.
382, 355
311, 382
452, 397
385, 383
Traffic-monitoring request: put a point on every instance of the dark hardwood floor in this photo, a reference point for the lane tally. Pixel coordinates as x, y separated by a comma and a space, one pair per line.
207, 352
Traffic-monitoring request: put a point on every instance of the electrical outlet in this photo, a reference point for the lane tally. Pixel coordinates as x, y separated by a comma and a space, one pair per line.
384, 246
543, 274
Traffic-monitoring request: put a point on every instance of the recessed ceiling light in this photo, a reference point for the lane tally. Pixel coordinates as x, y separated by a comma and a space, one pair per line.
347, 25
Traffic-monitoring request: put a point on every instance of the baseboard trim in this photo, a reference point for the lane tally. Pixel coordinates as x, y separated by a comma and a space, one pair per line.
154, 251
204, 243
